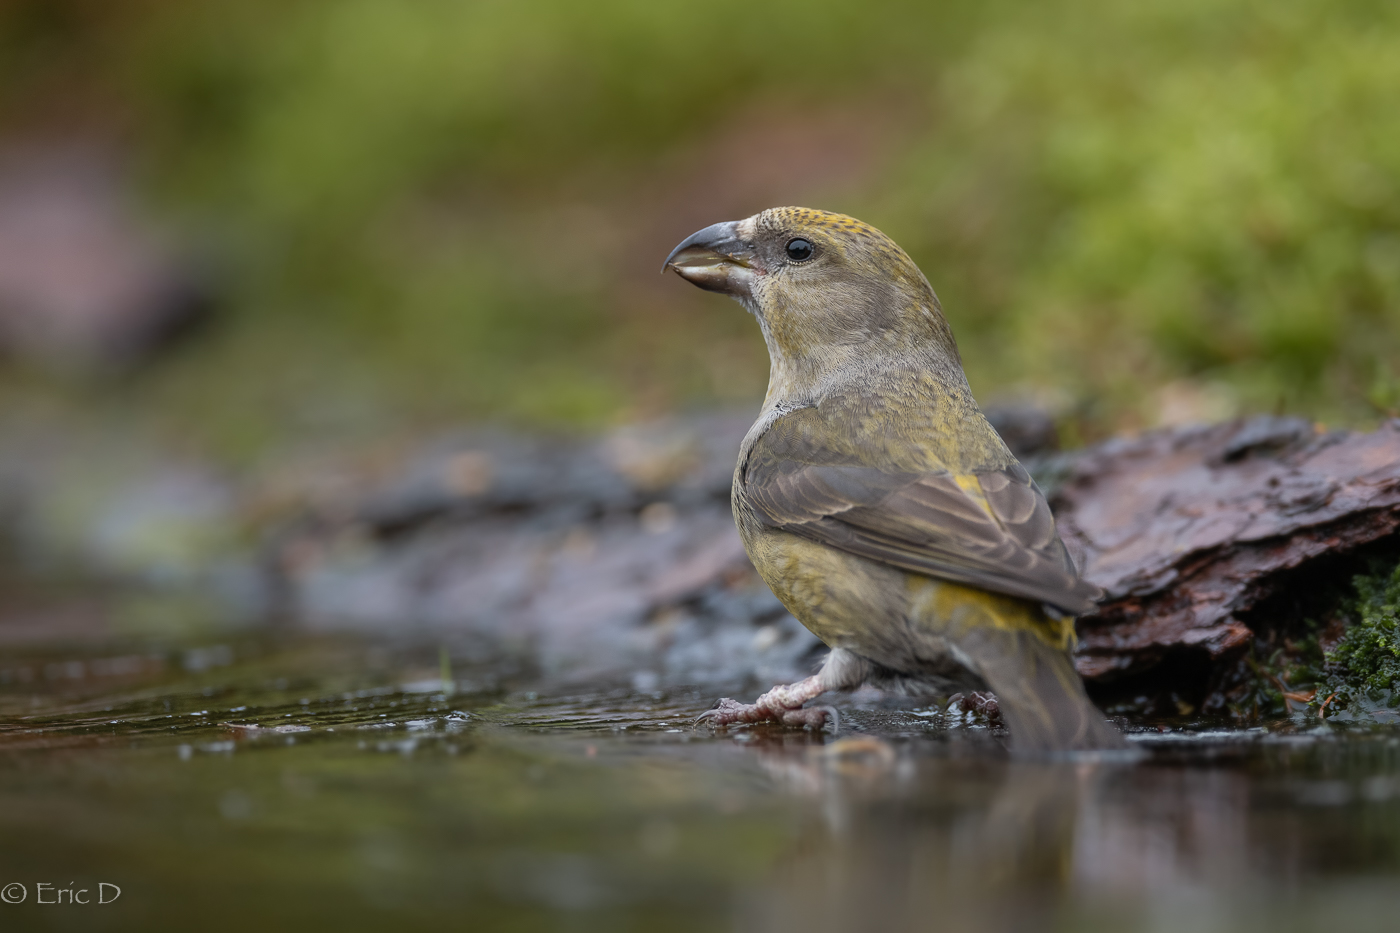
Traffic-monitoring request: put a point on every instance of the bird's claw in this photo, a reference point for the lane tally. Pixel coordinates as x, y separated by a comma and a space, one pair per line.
834, 716
713, 713
977, 703
727, 711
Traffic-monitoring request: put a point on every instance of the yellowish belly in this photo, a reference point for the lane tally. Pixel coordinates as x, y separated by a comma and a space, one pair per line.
900, 620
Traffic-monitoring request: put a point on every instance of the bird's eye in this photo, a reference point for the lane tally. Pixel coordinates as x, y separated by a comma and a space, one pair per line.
799, 250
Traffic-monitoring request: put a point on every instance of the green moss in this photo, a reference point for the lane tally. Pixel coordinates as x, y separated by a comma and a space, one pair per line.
1278, 674
1350, 662
1365, 664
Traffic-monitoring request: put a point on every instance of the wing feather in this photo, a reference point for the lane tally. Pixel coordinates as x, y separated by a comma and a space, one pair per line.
934, 523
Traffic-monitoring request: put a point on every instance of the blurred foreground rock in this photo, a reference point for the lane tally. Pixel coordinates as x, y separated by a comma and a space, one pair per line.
617, 557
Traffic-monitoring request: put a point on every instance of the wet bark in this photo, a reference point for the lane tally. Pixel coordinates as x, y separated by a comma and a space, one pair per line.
1190, 532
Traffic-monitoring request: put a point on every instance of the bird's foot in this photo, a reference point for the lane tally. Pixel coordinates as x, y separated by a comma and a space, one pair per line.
781, 705
981, 704
727, 712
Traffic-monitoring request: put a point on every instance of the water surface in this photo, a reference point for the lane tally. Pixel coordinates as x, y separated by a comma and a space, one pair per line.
262, 780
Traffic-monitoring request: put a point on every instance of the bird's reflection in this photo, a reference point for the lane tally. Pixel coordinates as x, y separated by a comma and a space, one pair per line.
966, 838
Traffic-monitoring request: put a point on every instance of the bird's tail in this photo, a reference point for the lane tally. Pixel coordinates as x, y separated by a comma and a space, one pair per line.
1039, 692
1024, 658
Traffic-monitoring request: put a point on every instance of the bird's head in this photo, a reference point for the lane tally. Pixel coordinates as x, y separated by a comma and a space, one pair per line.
828, 290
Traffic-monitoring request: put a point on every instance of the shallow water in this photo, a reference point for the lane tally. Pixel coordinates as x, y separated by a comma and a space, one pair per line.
276, 780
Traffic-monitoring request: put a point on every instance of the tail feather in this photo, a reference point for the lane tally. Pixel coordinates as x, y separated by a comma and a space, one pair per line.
1041, 695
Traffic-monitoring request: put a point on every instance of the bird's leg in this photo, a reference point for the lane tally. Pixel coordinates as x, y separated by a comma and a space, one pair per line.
784, 703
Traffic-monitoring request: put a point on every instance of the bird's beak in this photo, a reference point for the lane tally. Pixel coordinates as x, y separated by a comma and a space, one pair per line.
717, 259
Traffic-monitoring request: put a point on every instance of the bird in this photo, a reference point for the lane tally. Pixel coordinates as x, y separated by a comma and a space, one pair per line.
875, 499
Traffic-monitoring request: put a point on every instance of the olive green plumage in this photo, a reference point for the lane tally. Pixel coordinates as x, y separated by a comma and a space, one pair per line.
873, 496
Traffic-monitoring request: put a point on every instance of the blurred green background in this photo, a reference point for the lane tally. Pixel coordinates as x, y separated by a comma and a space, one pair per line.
424, 212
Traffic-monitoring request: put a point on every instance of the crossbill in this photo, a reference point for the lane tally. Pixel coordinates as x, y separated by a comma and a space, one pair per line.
874, 498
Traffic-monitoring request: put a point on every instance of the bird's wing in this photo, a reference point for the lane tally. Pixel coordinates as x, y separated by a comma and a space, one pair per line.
987, 528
